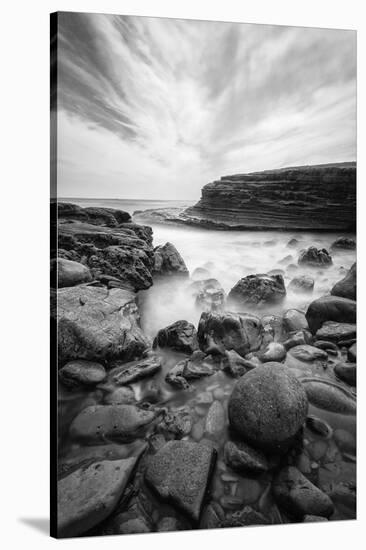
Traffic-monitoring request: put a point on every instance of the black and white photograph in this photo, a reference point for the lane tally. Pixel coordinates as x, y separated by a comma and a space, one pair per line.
203, 275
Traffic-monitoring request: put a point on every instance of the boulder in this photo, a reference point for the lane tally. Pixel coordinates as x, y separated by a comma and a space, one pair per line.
330, 308
129, 373
292, 243
298, 497
241, 457
68, 273
308, 353
300, 284
116, 422
258, 290
97, 324
336, 332
180, 336
198, 366
180, 472
343, 243
315, 257
327, 395
346, 372
89, 495
175, 376
254, 398
347, 287
274, 351
209, 294
81, 373
178, 422
294, 320
229, 331
168, 262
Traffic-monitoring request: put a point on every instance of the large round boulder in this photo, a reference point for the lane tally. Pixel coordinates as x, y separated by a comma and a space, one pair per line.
258, 290
315, 257
330, 308
268, 406
346, 287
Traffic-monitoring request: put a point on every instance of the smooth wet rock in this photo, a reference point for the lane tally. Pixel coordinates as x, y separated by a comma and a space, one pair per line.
128, 373
273, 326
302, 284
308, 353
330, 308
299, 338
241, 457
69, 273
298, 496
254, 398
294, 320
180, 336
168, 262
347, 287
258, 290
116, 422
120, 396
89, 495
215, 420
346, 372
82, 373
97, 324
274, 351
352, 353
315, 257
319, 426
329, 396
343, 243
180, 472
336, 332
229, 331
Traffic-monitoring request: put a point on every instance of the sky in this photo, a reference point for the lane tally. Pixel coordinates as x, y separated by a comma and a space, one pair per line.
152, 108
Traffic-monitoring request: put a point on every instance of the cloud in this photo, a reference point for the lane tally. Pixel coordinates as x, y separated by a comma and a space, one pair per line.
156, 108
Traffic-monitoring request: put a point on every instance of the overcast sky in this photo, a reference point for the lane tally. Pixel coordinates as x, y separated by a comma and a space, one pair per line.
156, 108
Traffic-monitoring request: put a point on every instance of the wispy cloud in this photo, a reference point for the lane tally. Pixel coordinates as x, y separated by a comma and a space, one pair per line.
156, 108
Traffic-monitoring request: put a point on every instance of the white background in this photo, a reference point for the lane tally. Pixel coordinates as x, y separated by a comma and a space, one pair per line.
24, 365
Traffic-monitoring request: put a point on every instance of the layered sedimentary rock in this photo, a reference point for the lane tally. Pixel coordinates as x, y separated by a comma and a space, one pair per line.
319, 197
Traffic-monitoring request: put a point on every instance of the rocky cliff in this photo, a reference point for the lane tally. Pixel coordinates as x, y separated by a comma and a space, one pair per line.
319, 197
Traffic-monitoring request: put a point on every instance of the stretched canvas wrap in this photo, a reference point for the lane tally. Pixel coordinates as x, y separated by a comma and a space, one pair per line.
203, 274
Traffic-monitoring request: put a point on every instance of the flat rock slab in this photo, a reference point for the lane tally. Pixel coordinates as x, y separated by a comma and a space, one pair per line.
116, 422
298, 496
180, 472
89, 495
98, 324
132, 372
335, 332
82, 373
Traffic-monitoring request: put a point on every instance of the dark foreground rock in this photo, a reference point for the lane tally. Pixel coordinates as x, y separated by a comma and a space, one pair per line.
168, 262
330, 308
68, 273
315, 257
109, 217
129, 373
229, 331
97, 324
347, 287
82, 373
254, 398
298, 496
258, 290
180, 472
243, 458
180, 336
89, 495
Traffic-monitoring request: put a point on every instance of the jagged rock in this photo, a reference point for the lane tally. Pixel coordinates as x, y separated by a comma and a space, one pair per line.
336, 332
274, 351
303, 283
329, 396
169, 262
97, 324
330, 308
343, 243
180, 472
346, 372
347, 287
175, 376
294, 320
229, 331
117, 422
197, 367
308, 353
254, 398
82, 373
180, 336
298, 496
241, 457
92, 214
68, 273
209, 294
258, 290
301, 194
352, 353
315, 257
178, 422
88, 496
128, 373
235, 364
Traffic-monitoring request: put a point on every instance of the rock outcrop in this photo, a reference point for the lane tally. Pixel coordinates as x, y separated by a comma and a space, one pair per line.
168, 262
319, 197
